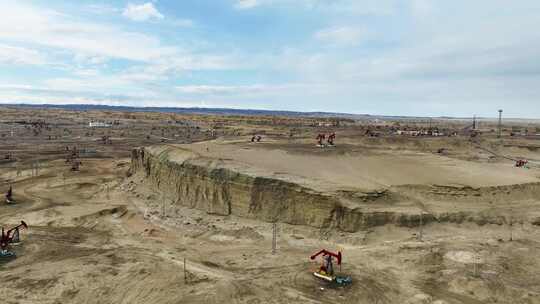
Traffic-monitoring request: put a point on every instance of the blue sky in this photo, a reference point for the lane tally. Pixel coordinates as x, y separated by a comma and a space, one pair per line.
395, 57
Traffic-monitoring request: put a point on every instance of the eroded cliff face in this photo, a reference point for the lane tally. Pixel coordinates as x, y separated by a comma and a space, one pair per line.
217, 188
205, 185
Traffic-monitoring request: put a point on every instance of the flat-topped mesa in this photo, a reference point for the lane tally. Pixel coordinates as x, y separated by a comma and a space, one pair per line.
222, 187
210, 185
225, 186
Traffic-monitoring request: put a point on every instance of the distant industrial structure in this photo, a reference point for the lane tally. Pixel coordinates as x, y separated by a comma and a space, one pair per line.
499, 129
99, 124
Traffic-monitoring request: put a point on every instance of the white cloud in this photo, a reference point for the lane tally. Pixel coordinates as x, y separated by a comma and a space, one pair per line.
101, 9
18, 55
17, 93
182, 23
246, 4
90, 43
220, 90
243, 90
422, 7
142, 12
341, 36
355, 7
347, 7
45, 27
85, 59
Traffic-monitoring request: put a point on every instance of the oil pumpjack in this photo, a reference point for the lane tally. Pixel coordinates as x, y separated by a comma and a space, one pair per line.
8, 237
320, 138
326, 270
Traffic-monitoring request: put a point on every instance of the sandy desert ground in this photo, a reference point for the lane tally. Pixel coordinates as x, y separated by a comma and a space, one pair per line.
455, 226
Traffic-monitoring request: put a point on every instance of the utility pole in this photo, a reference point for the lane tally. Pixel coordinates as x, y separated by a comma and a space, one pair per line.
420, 232
511, 232
35, 168
476, 262
274, 237
474, 123
500, 124
163, 209
185, 276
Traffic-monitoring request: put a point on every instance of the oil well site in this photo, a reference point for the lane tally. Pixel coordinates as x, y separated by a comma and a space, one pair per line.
146, 207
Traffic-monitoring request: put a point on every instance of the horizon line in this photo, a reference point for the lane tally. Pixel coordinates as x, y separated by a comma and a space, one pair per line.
209, 108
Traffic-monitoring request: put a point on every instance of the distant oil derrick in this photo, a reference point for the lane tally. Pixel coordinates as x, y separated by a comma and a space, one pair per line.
35, 168
322, 137
106, 140
75, 165
72, 154
73, 158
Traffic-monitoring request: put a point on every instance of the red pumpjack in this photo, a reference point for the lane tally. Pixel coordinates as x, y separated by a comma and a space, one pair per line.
326, 271
331, 138
9, 237
521, 163
320, 138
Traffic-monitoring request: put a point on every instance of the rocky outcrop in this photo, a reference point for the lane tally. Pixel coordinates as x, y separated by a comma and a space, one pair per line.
494, 194
219, 187
206, 185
